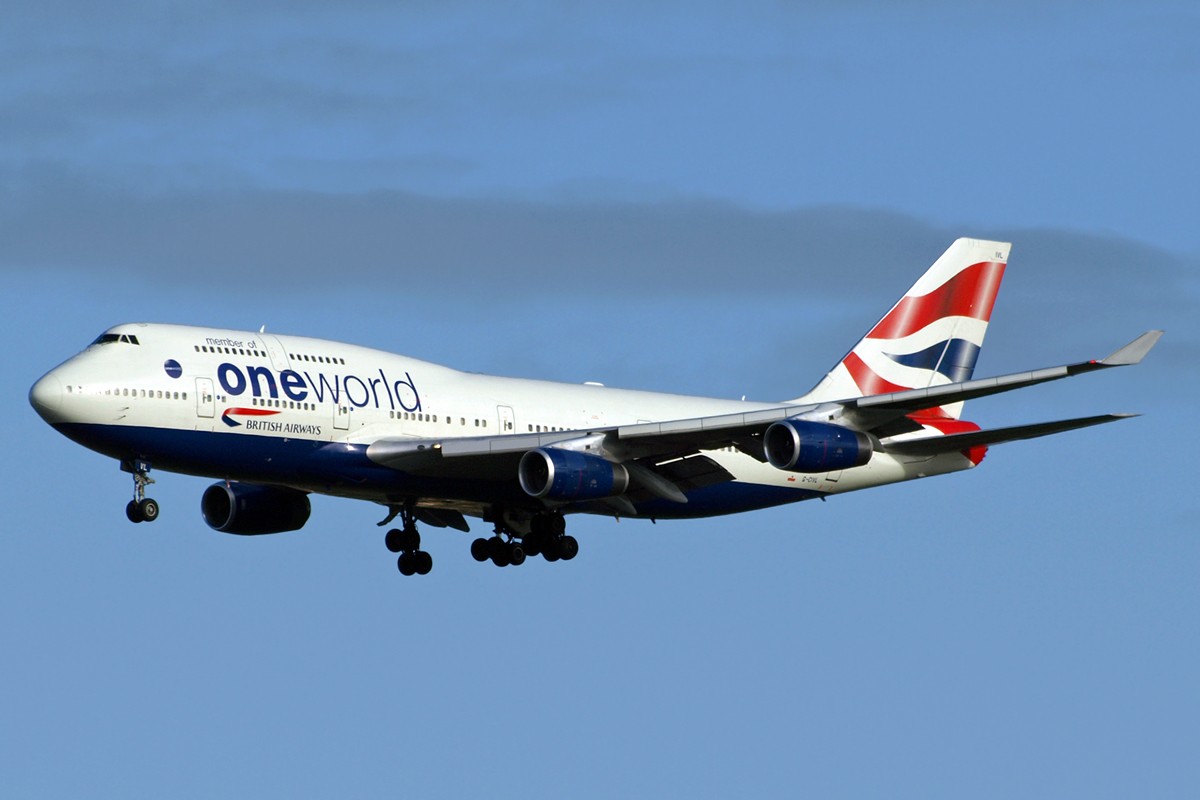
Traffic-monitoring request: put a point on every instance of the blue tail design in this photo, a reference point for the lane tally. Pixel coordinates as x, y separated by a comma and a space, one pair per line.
954, 358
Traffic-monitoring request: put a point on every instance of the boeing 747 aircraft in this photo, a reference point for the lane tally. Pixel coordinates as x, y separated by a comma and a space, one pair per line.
275, 418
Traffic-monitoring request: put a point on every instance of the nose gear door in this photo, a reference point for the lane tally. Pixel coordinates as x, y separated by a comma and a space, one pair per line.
205, 400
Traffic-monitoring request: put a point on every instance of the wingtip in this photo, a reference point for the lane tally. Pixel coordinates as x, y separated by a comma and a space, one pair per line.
1134, 352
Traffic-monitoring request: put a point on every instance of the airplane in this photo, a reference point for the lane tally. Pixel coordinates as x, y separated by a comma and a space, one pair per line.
276, 418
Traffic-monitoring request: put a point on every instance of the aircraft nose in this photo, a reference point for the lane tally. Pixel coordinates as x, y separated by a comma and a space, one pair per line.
46, 395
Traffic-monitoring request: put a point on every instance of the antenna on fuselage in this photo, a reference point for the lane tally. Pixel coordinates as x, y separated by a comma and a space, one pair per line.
263, 329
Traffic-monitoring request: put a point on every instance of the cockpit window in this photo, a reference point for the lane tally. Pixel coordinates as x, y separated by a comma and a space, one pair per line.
109, 338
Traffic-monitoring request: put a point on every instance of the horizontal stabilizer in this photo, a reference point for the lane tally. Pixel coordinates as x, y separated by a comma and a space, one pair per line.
935, 445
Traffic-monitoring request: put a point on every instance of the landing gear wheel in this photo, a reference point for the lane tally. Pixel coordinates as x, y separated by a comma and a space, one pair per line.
406, 565
532, 545
568, 548
481, 550
558, 524
392, 540
409, 538
133, 511
423, 562
499, 551
516, 554
148, 509
550, 551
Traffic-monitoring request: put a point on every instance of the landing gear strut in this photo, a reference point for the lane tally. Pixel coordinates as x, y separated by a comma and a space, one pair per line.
546, 537
407, 542
140, 508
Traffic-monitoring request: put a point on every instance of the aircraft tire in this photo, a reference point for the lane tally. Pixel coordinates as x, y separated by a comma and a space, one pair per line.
568, 547
550, 550
148, 509
409, 539
558, 524
516, 554
423, 562
405, 564
480, 550
532, 545
392, 540
133, 511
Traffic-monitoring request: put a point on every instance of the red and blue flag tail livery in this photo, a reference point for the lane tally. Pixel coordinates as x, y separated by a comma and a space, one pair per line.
932, 336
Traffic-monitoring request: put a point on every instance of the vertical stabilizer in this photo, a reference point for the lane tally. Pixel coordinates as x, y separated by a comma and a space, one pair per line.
932, 336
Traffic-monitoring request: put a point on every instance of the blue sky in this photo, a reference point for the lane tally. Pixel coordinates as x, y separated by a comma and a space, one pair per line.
707, 198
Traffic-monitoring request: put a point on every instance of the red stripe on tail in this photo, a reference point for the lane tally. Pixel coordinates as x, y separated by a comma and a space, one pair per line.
970, 293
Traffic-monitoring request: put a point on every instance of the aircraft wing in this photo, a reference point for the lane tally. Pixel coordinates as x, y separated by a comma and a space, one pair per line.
871, 414
655, 444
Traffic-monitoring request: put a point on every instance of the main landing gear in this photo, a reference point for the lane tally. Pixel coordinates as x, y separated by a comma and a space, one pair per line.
407, 542
546, 537
140, 508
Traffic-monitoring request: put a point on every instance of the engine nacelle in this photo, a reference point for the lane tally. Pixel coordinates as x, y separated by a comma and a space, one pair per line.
556, 474
798, 445
248, 510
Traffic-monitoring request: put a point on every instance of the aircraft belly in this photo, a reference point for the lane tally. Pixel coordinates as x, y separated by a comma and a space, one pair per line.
335, 468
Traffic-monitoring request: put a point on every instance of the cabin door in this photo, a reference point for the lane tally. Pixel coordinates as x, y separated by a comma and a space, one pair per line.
205, 401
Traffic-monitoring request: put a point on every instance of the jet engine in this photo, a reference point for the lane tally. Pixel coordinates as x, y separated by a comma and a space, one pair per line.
798, 445
248, 510
555, 474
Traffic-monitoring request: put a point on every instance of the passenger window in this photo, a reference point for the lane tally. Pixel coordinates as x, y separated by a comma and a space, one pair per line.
184, 396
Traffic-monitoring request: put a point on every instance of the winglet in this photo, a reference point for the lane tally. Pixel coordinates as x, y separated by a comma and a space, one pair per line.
1133, 352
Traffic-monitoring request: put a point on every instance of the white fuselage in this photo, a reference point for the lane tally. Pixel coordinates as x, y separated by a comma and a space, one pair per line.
236, 403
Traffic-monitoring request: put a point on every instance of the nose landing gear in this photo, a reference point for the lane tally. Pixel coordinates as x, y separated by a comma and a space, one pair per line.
140, 508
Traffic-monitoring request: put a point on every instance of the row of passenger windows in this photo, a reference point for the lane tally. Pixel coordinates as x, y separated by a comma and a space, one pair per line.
479, 423
415, 417
151, 394
318, 359
233, 351
272, 403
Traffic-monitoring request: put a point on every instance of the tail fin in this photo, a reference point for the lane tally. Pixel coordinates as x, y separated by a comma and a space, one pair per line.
932, 336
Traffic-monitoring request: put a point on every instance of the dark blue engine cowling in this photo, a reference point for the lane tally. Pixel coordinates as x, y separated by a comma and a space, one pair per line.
555, 474
248, 510
798, 445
